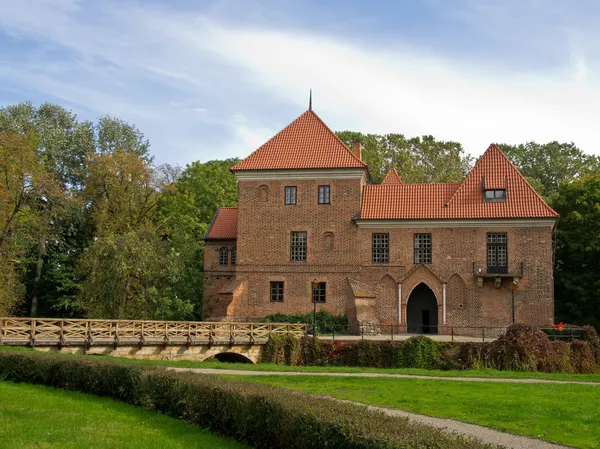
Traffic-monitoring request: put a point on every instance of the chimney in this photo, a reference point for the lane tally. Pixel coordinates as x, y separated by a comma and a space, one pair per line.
357, 149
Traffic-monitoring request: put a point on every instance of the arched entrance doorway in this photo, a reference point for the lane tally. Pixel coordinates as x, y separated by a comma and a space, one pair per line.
421, 311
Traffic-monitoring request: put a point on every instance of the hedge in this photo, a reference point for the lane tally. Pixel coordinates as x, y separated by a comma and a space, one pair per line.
258, 415
521, 348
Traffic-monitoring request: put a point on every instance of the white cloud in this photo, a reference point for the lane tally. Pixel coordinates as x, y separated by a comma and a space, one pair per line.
204, 89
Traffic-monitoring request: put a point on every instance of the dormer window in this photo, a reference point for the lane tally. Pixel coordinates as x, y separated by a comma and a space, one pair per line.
494, 195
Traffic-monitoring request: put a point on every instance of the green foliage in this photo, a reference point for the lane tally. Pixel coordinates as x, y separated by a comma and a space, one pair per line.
578, 251
133, 275
420, 352
326, 322
256, 414
282, 350
418, 159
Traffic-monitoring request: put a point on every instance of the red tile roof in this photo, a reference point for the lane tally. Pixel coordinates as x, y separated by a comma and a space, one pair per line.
391, 177
307, 142
459, 201
224, 224
405, 201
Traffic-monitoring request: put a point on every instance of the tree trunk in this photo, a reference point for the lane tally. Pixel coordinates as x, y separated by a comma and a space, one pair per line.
38, 275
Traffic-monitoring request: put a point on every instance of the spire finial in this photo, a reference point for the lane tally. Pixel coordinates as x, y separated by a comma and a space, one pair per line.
310, 100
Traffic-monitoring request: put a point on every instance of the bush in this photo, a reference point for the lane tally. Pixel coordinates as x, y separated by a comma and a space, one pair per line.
589, 335
582, 357
282, 350
325, 321
519, 349
557, 359
522, 348
472, 355
261, 416
420, 352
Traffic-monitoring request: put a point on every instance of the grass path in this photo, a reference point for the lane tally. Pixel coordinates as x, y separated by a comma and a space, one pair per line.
565, 414
33, 416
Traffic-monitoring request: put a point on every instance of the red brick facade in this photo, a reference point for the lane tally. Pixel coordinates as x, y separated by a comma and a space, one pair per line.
461, 290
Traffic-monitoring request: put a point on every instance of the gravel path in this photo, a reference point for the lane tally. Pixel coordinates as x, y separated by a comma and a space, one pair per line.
483, 434
397, 376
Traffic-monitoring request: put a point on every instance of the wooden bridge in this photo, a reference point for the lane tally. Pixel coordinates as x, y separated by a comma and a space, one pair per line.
170, 340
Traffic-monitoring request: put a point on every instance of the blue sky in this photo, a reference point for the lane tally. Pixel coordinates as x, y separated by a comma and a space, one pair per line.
214, 79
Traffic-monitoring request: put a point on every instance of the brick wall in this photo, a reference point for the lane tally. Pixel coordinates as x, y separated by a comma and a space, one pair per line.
263, 255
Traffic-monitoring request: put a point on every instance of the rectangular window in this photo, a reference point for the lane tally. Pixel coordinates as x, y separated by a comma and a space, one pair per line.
494, 195
381, 248
277, 291
223, 255
324, 195
320, 293
290, 195
233, 255
497, 252
422, 248
298, 247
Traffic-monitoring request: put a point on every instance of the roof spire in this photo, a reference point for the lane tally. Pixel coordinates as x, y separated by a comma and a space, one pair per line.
310, 100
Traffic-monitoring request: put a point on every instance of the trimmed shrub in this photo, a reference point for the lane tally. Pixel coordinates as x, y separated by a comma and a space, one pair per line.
312, 352
589, 335
557, 359
519, 349
420, 352
282, 350
582, 357
262, 416
448, 357
472, 355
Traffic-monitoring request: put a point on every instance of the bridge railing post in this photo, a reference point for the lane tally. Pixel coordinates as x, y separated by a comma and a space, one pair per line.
32, 333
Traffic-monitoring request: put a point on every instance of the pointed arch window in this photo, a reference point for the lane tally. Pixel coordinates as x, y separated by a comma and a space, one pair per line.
223, 255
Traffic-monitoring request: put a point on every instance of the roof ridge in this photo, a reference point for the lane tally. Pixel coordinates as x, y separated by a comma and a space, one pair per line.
406, 184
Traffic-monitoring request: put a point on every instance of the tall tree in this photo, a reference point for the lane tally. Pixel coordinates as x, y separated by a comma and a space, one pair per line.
26, 191
577, 282
418, 159
185, 212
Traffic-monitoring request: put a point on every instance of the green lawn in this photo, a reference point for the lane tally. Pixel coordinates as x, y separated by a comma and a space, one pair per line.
567, 414
33, 416
485, 373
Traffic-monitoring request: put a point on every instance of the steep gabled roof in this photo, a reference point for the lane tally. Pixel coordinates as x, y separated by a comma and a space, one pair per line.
494, 170
224, 225
306, 143
391, 177
459, 201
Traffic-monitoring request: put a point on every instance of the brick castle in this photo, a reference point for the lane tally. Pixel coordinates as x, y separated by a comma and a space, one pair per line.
309, 227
